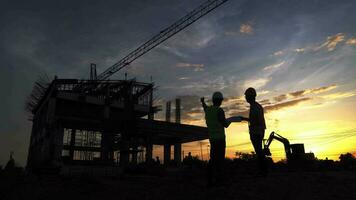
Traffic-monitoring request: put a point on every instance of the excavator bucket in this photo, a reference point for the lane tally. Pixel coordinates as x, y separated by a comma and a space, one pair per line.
267, 151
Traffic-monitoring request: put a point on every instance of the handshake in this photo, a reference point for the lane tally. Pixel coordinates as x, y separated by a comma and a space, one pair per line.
235, 119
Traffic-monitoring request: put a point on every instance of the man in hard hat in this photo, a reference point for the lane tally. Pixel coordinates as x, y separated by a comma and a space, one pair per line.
216, 123
257, 128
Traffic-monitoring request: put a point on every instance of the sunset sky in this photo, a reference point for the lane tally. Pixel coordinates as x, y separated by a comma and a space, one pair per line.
298, 54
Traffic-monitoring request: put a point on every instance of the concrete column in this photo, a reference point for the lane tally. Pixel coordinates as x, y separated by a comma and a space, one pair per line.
107, 112
57, 145
178, 111
168, 111
178, 153
151, 113
93, 75
167, 153
105, 146
124, 153
72, 144
55, 132
134, 154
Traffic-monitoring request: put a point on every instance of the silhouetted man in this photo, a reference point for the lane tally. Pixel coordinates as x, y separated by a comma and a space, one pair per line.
189, 160
158, 162
257, 128
10, 165
216, 122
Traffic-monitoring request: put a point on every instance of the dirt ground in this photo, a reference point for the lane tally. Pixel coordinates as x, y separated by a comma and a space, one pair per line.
185, 184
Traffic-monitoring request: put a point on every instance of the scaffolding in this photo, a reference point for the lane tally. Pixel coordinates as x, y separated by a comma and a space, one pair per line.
110, 123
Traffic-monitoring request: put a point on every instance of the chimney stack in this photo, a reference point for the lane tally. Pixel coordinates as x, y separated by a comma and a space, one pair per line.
168, 111
178, 111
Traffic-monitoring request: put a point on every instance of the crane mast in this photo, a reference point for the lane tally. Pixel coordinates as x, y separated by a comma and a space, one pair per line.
179, 25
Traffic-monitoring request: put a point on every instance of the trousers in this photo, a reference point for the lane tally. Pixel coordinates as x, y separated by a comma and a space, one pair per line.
257, 139
216, 162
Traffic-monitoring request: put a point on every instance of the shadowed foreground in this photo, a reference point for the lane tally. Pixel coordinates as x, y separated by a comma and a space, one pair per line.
185, 184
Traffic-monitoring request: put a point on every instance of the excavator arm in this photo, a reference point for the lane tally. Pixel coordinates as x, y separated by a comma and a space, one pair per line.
275, 136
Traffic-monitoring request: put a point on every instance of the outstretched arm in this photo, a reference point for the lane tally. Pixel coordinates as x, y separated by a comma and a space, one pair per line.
203, 103
234, 119
222, 119
244, 118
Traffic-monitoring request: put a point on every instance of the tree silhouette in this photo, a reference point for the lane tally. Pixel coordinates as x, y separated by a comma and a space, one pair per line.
347, 161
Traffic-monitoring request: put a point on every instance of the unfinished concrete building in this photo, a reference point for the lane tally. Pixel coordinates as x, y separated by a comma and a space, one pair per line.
106, 123
100, 122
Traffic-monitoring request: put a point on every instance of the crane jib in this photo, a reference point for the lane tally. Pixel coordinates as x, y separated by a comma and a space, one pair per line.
162, 36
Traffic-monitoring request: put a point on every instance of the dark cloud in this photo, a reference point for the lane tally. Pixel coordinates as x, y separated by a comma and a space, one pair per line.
297, 93
280, 98
265, 102
286, 104
323, 89
302, 93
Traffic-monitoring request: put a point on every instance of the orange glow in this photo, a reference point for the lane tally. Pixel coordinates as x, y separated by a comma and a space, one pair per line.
327, 129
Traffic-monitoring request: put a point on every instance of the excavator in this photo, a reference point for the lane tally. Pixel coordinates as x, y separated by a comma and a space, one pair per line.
294, 152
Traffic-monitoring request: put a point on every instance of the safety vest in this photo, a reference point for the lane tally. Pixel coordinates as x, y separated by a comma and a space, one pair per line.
215, 128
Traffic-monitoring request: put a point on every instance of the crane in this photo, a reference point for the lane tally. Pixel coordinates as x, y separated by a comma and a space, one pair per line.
162, 36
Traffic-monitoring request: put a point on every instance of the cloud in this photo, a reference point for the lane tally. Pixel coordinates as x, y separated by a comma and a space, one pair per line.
351, 41
230, 100
278, 53
172, 50
339, 95
293, 98
322, 89
301, 93
299, 50
268, 107
331, 42
297, 93
280, 98
265, 102
192, 112
246, 28
274, 66
204, 41
183, 78
286, 104
196, 37
256, 83
231, 33
263, 92
196, 67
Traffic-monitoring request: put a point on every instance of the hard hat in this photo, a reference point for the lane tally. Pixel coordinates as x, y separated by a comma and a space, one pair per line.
251, 92
218, 95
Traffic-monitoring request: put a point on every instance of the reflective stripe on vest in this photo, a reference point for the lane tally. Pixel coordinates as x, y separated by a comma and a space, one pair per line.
215, 128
